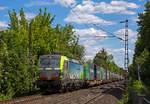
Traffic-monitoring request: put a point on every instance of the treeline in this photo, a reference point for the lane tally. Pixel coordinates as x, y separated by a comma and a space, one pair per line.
141, 59
24, 42
139, 70
106, 61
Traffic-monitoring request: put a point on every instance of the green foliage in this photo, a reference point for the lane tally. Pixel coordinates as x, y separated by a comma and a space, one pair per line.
106, 61
5, 86
136, 85
124, 100
133, 85
22, 45
142, 49
140, 60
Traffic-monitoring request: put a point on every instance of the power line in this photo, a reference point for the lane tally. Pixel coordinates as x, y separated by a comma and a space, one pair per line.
112, 34
98, 27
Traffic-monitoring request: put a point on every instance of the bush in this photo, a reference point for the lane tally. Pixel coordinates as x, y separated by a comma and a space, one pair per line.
133, 85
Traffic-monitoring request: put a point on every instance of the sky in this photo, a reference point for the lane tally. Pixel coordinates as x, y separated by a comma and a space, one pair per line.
90, 18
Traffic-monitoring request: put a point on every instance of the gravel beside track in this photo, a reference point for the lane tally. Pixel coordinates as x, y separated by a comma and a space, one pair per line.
103, 94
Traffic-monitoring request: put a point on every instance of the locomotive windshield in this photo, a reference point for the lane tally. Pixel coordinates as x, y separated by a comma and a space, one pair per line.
55, 62
50, 62
44, 62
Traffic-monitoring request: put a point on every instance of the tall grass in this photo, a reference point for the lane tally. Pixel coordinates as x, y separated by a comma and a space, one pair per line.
133, 85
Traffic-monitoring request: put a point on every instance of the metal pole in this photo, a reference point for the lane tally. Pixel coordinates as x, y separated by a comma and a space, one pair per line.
126, 63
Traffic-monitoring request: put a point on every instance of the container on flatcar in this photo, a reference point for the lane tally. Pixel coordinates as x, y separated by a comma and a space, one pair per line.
75, 70
108, 75
86, 72
111, 76
101, 73
91, 67
105, 74
97, 72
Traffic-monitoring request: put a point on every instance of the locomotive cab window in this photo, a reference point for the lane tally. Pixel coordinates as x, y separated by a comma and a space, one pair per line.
55, 62
50, 62
44, 62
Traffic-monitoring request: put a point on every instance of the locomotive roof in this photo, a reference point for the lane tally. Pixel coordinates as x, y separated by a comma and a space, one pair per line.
58, 55
44, 56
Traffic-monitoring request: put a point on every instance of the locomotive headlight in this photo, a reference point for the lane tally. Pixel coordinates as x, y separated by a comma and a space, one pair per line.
60, 75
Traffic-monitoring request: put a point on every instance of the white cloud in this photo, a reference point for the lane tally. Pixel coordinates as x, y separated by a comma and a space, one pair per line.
121, 32
89, 32
89, 41
3, 8
128, 12
119, 55
30, 15
91, 50
91, 46
124, 4
85, 13
132, 35
86, 19
134, 19
119, 50
66, 3
38, 3
3, 24
106, 8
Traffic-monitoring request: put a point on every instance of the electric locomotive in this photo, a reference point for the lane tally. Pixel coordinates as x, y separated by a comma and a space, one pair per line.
59, 72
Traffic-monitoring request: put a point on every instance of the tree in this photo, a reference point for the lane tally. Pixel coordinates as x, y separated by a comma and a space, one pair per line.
22, 45
142, 48
106, 61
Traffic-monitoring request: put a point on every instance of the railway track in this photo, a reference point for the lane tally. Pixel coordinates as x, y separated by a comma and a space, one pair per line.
87, 96
101, 95
90, 96
96, 97
83, 96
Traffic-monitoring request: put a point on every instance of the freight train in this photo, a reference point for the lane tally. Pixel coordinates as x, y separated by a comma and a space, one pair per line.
62, 73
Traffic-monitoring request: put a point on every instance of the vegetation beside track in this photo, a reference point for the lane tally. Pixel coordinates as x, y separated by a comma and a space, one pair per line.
21, 46
133, 85
139, 70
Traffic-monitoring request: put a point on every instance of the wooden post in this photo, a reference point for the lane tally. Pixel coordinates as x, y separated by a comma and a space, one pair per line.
134, 97
140, 98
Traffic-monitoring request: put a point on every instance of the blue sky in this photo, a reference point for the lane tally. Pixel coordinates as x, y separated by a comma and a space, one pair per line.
83, 14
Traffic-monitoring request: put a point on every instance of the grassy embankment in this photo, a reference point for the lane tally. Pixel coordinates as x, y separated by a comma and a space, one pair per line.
133, 85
